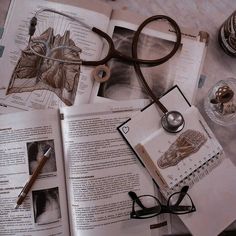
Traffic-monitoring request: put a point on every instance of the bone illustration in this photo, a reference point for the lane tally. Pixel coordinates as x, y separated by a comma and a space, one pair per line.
187, 143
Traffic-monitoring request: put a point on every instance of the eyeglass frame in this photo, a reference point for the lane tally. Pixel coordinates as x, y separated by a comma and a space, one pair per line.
163, 208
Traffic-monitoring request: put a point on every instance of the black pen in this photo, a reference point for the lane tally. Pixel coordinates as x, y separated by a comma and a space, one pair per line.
34, 176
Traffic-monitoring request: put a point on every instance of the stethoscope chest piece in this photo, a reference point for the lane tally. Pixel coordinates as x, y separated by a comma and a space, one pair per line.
172, 121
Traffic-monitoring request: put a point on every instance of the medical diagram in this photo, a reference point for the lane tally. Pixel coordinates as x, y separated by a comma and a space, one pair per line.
33, 72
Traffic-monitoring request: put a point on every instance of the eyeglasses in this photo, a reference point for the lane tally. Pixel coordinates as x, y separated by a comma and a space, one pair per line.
147, 206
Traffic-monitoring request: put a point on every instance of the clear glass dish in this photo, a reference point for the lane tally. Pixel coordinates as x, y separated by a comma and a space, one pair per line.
222, 109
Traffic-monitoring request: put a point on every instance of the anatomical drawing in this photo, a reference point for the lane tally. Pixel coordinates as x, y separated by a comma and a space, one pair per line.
187, 143
33, 72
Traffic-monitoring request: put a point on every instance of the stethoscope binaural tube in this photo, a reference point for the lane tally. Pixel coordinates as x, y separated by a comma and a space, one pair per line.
112, 52
171, 121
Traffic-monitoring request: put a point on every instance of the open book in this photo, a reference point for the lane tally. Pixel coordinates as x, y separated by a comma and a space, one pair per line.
211, 177
83, 187
33, 88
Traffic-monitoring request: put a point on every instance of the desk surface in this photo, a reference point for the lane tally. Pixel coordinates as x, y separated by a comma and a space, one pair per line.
197, 14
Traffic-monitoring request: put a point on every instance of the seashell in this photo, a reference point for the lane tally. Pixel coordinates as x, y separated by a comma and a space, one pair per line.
228, 108
224, 94
186, 144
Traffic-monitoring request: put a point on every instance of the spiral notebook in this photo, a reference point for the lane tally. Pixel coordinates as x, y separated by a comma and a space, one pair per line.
211, 182
173, 157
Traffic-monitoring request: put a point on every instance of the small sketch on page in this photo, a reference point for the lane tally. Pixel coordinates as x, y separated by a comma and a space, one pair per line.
125, 129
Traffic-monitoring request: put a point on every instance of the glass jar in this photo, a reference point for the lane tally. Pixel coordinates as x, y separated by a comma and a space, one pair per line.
227, 35
220, 103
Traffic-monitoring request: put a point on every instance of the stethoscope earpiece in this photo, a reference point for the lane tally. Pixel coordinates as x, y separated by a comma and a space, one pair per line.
172, 121
32, 27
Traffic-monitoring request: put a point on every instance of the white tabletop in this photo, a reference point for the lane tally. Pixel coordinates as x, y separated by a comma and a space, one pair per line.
206, 15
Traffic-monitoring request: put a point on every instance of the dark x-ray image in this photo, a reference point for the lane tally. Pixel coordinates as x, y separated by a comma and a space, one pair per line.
36, 150
124, 83
46, 205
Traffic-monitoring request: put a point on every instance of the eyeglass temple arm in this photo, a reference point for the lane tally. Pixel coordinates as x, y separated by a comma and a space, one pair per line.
170, 209
183, 192
135, 198
146, 211
164, 209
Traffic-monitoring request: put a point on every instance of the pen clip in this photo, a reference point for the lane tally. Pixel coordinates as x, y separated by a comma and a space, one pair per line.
48, 152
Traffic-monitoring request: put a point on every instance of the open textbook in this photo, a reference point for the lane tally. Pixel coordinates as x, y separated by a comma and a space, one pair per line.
83, 187
45, 84
210, 175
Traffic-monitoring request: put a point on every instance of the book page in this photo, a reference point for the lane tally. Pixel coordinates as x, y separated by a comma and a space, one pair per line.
139, 130
156, 41
213, 192
46, 83
4, 109
101, 170
23, 139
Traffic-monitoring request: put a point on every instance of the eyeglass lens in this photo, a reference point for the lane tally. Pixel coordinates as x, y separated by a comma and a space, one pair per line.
180, 207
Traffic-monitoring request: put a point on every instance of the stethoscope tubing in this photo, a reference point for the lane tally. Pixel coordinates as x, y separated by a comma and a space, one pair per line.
160, 61
112, 52
165, 119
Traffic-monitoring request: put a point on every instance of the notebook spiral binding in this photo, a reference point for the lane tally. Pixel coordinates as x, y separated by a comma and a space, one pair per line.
196, 175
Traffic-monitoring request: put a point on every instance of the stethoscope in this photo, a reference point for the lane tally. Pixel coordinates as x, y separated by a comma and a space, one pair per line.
171, 121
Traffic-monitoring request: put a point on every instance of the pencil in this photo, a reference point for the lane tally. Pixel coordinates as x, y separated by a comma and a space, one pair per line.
34, 176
